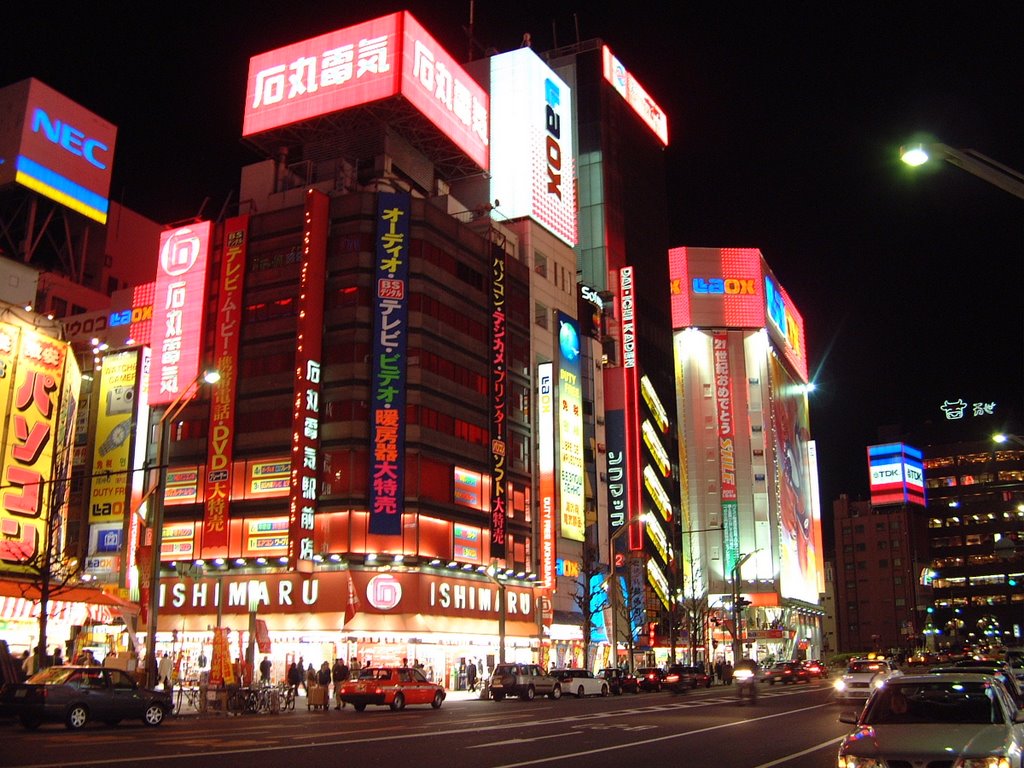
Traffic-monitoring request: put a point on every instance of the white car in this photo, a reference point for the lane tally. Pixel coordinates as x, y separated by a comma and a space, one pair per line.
581, 682
963, 720
861, 677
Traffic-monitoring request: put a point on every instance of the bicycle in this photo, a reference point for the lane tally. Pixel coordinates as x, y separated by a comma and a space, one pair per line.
287, 697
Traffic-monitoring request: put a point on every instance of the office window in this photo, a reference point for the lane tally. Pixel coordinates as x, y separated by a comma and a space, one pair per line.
540, 315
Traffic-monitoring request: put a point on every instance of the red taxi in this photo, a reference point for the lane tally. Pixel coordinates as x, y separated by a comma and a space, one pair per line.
393, 687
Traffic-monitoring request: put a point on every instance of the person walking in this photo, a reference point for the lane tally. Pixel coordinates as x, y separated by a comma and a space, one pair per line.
323, 679
471, 675
165, 669
294, 678
310, 678
265, 666
339, 674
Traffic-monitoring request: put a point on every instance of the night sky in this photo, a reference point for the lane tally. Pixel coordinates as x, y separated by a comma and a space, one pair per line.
785, 121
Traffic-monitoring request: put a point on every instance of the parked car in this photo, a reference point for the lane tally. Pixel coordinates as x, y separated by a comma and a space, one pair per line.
523, 680
861, 677
76, 695
581, 682
679, 677
816, 668
999, 670
787, 672
393, 687
620, 680
935, 719
650, 678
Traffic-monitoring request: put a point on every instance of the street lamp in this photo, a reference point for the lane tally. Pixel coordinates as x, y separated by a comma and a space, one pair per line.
736, 607
170, 413
973, 162
498, 577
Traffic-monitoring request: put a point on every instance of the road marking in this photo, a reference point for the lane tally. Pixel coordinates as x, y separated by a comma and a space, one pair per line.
829, 743
450, 732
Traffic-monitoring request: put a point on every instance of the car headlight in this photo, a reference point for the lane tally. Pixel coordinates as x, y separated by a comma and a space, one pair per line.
839, 685
992, 761
877, 682
852, 761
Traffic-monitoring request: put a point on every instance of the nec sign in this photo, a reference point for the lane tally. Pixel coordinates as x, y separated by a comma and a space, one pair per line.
725, 286
68, 137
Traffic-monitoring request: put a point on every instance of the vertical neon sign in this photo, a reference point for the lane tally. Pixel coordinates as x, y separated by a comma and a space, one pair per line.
631, 399
387, 398
546, 468
726, 447
499, 403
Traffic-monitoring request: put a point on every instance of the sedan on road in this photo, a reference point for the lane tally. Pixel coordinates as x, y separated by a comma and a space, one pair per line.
76, 695
787, 672
962, 720
581, 682
392, 687
620, 680
861, 677
650, 678
679, 677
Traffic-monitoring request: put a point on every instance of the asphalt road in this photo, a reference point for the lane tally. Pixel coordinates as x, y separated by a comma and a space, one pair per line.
793, 726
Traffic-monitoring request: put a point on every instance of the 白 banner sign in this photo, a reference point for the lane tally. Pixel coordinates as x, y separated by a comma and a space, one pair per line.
116, 413
570, 430
726, 447
499, 404
55, 147
32, 434
546, 469
305, 461
388, 377
222, 399
379, 59
178, 310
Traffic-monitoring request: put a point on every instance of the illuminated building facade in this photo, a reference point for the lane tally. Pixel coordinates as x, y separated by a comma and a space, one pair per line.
746, 455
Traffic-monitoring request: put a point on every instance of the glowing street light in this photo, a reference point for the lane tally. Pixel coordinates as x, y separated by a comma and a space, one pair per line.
969, 160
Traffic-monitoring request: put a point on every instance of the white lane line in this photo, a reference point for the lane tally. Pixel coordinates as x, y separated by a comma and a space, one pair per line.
787, 758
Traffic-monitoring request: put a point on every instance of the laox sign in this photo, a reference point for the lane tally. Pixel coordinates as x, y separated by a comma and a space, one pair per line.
730, 286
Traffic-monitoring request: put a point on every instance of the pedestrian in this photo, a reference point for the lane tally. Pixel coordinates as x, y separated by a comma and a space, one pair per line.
727, 673
58, 660
471, 675
718, 669
165, 669
339, 674
310, 678
265, 666
355, 666
323, 679
294, 678
405, 662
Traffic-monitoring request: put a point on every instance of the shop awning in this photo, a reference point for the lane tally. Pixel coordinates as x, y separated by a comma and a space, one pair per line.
74, 605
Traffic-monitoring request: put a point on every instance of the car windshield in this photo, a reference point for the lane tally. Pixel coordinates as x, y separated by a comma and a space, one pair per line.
866, 666
934, 702
51, 676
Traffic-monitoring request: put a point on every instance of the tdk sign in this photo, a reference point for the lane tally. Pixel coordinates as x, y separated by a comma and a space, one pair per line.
725, 286
69, 138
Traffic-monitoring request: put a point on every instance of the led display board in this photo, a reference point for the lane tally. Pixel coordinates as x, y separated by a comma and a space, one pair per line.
634, 94
532, 173
379, 59
896, 474
570, 430
116, 417
178, 310
55, 147
389, 364
785, 325
716, 287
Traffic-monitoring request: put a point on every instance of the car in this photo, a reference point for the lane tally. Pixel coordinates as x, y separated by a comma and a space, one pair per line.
962, 720
679, 677
1015, 658
620, 680
581, 682
76, 695
650, 678
998, 670
861, 677
816, 668
787, 672
526, 681
393, 687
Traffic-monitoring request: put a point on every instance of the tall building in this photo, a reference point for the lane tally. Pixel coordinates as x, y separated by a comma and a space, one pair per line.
747, 460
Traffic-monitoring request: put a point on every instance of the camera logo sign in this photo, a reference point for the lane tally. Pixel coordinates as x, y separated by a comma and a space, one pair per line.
384, 592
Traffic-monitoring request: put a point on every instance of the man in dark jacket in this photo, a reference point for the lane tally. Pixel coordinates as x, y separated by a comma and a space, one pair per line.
339, 674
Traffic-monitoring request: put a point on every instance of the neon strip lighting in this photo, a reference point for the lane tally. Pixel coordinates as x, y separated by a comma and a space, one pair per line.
47, 182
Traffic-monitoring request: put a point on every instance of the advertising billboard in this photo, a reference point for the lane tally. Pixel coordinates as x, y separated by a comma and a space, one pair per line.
570, 430
800, 558
546, 471
532, 173
785, 325
388, 378
116, 417
634, 94
389, 56
498, 427
55, 147
179, 306
896, 474
626, 308
716, 287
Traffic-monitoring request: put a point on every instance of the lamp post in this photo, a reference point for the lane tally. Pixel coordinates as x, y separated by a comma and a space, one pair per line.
498, 577
736, 607
156, 518
969, 160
